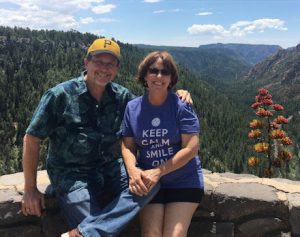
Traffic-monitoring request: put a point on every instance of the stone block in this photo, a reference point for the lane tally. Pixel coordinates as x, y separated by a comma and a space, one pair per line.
294, 206
260, 227
21, 231
211, 229
53, 224
237, 201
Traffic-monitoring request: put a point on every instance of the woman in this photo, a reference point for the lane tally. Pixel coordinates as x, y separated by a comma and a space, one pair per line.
161, 144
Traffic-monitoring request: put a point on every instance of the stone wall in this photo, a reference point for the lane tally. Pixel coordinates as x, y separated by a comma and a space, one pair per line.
233, 205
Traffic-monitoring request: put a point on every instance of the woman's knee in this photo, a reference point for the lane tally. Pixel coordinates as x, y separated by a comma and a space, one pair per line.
179, 230
153, 232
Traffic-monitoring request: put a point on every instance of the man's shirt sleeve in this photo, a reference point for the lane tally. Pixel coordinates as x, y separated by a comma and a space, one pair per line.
43, 119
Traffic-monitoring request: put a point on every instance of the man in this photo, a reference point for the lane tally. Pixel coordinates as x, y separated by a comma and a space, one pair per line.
82, 119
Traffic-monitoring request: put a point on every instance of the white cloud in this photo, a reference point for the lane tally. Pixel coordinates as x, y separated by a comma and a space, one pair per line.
52, 14
86, 20
164, 11
204, 13
103, 8
99, 32
57, 5
159, 11
213, 29
82, 4
242, 28
29, 6
262, 24
37, 19
238, 29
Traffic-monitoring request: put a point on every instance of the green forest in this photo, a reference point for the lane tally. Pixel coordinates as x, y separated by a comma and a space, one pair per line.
31, 61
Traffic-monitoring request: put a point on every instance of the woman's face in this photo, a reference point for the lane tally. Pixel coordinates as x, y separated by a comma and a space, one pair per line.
158, 78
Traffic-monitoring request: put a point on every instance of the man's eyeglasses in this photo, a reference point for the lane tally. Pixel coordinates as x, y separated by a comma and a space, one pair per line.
99, 63
156, 71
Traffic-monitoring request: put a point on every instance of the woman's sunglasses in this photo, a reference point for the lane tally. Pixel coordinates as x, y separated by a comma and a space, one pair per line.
156, 71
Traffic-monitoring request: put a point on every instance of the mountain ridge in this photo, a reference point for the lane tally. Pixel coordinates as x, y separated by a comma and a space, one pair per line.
222, 62
254, 53
279, 73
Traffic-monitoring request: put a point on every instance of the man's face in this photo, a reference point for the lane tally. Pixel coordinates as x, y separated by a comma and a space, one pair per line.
101, 69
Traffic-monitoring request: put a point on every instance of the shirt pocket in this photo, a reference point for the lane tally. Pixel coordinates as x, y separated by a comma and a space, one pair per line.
84, 144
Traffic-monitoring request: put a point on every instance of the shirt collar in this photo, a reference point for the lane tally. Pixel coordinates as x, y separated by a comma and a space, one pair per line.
81, 83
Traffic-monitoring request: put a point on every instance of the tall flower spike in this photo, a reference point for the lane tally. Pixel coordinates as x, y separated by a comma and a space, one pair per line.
268, 134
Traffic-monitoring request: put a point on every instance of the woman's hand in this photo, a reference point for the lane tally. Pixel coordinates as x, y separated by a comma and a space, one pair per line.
151, 178
136, 183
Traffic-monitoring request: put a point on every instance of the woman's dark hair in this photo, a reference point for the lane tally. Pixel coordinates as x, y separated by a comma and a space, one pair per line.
150, 59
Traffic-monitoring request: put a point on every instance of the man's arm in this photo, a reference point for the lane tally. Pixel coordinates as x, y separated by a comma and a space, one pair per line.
33, 200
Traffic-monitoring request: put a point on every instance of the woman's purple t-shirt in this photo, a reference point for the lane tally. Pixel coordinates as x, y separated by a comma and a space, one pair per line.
157, 132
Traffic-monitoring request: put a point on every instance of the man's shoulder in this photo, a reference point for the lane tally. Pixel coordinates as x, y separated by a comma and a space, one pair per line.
119, 89
121, 92
73, 86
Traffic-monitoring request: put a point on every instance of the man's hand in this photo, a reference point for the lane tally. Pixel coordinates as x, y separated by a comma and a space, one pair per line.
33, 202
185, 96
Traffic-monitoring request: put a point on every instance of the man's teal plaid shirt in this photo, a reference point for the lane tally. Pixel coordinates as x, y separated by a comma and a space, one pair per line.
84, 136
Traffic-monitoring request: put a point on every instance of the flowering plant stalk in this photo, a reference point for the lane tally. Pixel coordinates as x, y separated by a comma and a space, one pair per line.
270, 139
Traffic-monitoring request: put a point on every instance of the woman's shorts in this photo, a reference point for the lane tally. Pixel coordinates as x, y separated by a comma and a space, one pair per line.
167, 195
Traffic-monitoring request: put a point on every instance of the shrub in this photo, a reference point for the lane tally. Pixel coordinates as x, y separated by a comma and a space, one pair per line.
271, 140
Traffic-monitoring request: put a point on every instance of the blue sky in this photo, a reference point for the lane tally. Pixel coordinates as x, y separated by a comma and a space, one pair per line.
188, 23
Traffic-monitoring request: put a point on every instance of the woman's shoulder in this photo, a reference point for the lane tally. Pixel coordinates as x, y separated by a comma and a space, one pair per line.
135, 102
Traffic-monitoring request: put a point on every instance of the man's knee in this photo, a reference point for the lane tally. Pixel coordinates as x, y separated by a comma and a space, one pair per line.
77, 205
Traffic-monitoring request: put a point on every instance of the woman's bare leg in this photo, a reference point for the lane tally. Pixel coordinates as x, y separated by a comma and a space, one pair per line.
151, 219
177, 218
